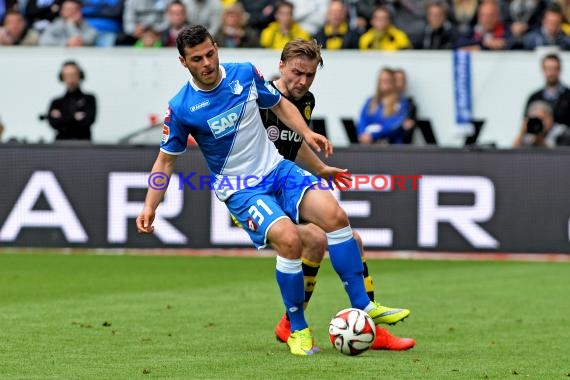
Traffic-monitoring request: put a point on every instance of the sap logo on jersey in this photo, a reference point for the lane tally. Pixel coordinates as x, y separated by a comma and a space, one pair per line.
225, 123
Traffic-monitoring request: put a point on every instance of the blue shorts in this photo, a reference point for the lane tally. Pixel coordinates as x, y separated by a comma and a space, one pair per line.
277, 196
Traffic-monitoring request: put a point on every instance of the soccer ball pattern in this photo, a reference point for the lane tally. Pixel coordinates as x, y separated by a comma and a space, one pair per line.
352, 331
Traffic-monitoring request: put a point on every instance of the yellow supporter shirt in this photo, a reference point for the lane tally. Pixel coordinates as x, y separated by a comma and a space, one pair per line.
272, 38
392, 39
227, 3
334, 40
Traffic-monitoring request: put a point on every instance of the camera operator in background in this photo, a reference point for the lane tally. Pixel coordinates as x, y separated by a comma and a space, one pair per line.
554, 91
73, 114
539, 128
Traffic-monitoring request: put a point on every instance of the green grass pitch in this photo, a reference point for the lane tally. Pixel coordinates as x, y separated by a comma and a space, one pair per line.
127, 317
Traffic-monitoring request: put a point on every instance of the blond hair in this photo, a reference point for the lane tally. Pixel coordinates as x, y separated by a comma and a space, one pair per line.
389, 101
299, 48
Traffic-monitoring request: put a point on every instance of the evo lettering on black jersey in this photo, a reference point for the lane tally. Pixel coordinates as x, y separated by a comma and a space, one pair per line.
287, 141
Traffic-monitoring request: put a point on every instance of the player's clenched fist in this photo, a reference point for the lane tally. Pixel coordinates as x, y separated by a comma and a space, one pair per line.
144, 221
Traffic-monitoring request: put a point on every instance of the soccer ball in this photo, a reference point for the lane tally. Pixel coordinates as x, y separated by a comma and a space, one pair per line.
352, 331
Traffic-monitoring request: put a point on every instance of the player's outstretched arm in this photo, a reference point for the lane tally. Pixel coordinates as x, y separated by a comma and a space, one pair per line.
289, 114
314, 164
159, 175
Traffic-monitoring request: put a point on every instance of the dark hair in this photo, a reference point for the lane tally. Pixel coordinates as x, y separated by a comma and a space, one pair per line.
397, 70
551, 56
554, 8
191, 36
13, 12
382, 8
78, 2
438, 3
74, 64
284, 3
176, 2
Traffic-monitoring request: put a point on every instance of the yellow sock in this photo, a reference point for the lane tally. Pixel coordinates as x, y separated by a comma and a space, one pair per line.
368, 282
310, 270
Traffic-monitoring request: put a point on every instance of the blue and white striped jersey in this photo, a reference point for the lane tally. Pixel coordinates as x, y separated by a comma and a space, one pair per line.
226, 124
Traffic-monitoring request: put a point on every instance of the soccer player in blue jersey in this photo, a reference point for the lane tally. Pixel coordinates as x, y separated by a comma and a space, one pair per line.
219, 107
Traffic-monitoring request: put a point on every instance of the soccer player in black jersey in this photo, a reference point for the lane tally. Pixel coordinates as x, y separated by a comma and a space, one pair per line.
298, 66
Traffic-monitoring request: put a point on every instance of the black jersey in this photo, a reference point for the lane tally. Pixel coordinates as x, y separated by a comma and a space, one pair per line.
286, 140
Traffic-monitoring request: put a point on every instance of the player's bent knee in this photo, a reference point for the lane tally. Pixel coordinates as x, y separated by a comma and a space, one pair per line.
288, 244
338, 219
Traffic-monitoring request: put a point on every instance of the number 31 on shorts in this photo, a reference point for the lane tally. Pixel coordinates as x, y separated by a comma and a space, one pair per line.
257, 212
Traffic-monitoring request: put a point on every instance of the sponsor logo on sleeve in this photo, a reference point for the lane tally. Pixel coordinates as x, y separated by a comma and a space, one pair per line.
167, 115
165, 133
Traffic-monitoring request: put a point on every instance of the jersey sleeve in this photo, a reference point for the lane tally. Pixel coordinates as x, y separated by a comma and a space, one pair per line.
267, 95
174, 134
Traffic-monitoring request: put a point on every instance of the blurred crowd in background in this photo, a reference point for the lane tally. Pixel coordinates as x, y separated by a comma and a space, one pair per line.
388, 116
335, 24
